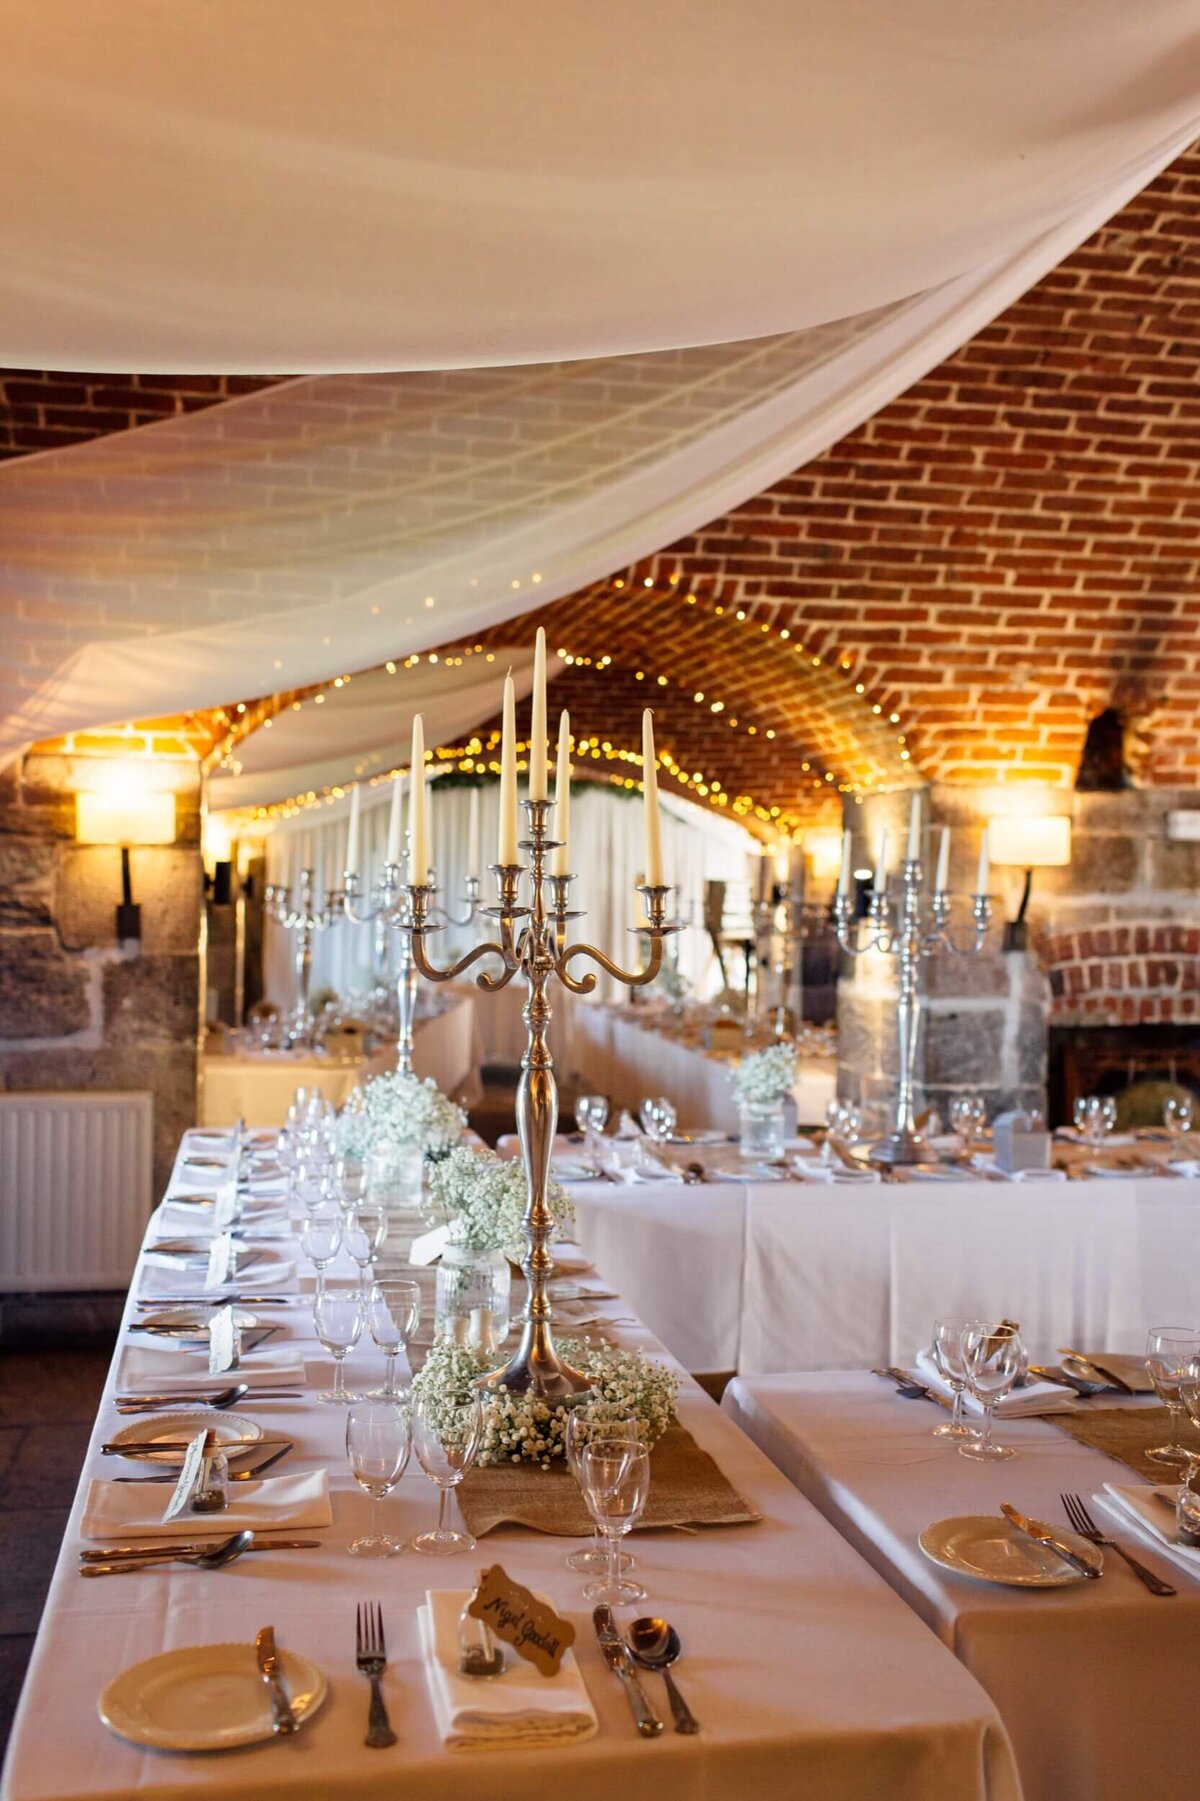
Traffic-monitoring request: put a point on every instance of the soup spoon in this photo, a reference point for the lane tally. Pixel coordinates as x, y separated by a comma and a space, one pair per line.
655, 1645
227, 1551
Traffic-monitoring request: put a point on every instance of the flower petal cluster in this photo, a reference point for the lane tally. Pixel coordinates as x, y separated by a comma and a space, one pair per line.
766, 1076
485, 1196
523, 1429
399, 1112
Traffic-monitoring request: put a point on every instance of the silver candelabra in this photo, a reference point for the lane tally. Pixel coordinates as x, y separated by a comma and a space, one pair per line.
390, 907
305, 918
912, 931
532, 943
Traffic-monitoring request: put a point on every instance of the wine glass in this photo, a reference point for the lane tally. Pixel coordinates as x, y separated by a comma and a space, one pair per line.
994, 1358
321, 1240
363, 1235
338, 1318
1179, 1112
968, 1116
446, 1435
350, 1182
606, 1421
657, 1116
615, 1479
950, 1358
308, 1181
393, 1314
1169, 1351
591, 1116
378, 1443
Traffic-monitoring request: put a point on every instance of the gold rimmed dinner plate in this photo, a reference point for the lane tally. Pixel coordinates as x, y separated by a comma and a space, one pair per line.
205, 1698
236, 1435
990, 1548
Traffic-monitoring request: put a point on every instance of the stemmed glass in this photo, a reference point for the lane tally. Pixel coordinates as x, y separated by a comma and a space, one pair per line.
310, 1183
349, 1182
1095, 1115
446, 1435
994, 1358
1179, 1112
591, 1116
321, 1240
584, 1424
378, 1443
951, 1361
338, 1317
1189, 1395
658, 1117
393, 1314
1169, 1351
364, 1234
968, 1116
615, 1479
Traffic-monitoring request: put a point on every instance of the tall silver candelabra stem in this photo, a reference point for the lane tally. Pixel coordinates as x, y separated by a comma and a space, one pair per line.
532, 942
391, 908
303, 917
905, 930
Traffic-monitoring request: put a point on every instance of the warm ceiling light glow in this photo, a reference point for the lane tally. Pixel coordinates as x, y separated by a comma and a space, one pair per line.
117, 816
1040, 842
823, 848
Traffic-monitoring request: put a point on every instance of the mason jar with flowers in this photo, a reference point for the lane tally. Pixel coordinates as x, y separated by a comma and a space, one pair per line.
396, 1125
482, 1196
761, 1083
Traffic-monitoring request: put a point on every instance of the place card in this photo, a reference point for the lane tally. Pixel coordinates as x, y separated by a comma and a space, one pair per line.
189, 1474
220, 1257
428, 1247
225, 1210
222, 1342
516, 1615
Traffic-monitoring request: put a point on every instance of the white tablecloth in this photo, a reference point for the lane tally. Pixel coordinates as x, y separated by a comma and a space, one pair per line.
785, 1276
808, 1676
1095, 1682
627, 1061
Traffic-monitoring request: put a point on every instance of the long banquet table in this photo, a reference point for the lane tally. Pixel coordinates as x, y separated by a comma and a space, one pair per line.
1095, 1681
806, 1672
761, 1277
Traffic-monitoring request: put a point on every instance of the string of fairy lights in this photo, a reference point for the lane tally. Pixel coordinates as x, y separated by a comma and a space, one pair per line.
479, 755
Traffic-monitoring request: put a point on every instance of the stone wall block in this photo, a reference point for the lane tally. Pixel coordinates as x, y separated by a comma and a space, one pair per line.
150, 1000
981, 977
26, 882
167, 885
1101, 863
43, 992
961, 1049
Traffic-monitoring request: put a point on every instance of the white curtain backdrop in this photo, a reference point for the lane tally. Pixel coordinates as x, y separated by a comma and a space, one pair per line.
382, 185
606, 852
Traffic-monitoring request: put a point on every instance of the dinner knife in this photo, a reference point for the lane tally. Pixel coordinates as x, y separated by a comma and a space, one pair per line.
1045, 1535
193, 1548
618, 1660
148, 1447
283, 1720
1090, 1363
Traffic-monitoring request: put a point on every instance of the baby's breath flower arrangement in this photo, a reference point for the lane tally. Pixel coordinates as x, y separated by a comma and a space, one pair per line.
484, 1197
522, 1429
765, 1076
401, 1113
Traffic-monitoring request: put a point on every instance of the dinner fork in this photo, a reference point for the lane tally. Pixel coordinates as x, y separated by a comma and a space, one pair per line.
372, 1661
1082, 1522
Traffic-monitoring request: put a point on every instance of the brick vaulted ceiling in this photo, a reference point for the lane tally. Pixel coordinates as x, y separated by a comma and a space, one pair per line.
952, 590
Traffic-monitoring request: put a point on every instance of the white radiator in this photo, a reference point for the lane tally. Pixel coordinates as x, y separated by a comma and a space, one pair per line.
75, 1189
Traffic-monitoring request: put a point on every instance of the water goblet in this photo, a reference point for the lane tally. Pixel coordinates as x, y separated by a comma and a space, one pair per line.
1179, 1112
321, 1240
1169, 1351
350, 1182
603, 1420
591, 1116
615, 1480
949, 1356
446, 1435
364, 1234
994, 1358
378, 1443
393, 1315
968, 1115
338, 1317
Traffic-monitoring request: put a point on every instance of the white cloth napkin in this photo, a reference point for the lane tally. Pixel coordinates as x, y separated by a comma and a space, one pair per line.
253, 1271
834, 1176
521, 1708
144, 1369
988, 1168
122, 1509
1033, 1398
1137, 1507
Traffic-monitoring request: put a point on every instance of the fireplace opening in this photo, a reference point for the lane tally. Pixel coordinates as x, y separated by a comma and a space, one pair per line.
1139, 1065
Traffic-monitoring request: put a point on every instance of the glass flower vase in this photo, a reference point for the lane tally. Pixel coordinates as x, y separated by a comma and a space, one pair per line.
472, 1301
396, 1182
763, 1130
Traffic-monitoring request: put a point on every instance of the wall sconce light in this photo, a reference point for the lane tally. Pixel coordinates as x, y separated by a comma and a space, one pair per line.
120, 814
823, 848
1037, 841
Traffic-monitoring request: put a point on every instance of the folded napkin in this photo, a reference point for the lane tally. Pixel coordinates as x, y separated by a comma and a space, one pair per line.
1033, 1398
185, 1370
520, 1708
1184, 1166
986, 1167
834, 1175
253, 1271
121, 1509
1153, 1522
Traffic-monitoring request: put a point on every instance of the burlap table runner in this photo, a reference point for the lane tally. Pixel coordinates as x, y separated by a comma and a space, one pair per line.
1126, 1434
686, 1489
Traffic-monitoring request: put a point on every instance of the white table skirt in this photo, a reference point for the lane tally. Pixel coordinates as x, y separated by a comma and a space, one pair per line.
618, 1057
796, 1276
808, 1675
1096, 1682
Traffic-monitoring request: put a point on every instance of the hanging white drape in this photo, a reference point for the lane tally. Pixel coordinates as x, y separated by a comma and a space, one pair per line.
291, 185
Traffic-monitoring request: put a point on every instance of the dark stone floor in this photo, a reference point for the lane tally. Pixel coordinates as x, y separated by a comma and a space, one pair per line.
54, 1355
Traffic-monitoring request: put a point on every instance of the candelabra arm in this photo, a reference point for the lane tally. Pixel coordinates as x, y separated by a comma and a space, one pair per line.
432, 973
637, 978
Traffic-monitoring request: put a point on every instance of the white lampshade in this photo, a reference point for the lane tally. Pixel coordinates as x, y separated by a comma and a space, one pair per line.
120, 817
1040, 842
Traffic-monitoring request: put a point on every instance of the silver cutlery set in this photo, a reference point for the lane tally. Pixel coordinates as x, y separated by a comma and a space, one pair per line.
654, 1645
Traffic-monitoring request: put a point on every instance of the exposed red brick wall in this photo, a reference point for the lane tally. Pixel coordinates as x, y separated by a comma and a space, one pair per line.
1124, 974
45, 410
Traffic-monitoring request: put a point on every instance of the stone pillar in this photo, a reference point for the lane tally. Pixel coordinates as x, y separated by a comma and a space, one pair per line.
78, 1010
984, 1019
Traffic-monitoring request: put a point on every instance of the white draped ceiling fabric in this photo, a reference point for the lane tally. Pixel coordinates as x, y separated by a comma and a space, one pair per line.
798, 214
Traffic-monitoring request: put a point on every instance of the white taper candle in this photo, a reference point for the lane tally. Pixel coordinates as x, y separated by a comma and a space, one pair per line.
880, 882
913, 852
392, 853
843, 886
355, 834
942, 880
981, 880
418, 813
654, 862
537, 729
506, 846
562, 797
